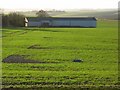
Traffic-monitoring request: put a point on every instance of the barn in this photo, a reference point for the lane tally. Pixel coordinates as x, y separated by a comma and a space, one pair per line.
61, 22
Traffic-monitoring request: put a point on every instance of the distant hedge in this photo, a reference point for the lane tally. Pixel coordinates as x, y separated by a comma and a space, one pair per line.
13, 19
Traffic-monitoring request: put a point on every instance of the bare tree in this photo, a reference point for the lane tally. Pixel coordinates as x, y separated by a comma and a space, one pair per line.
42, 13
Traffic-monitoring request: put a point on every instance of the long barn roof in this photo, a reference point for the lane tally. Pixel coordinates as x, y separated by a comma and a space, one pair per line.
60, 18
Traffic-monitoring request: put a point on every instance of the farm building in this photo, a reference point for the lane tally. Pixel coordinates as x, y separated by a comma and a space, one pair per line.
61, 22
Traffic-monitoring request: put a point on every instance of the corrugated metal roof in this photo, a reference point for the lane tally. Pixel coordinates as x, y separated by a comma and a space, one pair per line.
60, 18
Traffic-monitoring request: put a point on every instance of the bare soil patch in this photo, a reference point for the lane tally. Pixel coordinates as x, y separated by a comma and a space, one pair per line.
18, 59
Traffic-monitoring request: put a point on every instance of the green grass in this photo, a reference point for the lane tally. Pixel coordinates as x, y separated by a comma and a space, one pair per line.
58, 47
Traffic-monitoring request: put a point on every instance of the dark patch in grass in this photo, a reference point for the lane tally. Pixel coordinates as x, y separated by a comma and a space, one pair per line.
37, 47
77, 60
44, 47
43, 29
3, 36
64, 87
18, 59
23, 33
47, 37
51, 30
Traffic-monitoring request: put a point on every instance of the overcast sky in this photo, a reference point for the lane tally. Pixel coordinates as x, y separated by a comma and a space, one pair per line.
59, 4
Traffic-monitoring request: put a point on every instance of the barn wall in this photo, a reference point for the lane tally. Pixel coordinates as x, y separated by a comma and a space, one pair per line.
73, 23
34, 23
46, 21
60, 23
87, 23
26, 24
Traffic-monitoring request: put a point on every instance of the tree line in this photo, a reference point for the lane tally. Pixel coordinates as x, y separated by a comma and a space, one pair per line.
13, 20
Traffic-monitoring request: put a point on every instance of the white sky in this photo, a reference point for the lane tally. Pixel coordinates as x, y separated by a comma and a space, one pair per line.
59, 4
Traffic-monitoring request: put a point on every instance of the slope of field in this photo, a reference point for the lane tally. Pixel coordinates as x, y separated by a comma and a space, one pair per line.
53, 51
113, 14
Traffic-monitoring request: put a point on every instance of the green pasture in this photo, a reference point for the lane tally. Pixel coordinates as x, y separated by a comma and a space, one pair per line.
57, 48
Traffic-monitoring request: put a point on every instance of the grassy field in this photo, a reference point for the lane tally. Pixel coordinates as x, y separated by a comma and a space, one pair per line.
53, 51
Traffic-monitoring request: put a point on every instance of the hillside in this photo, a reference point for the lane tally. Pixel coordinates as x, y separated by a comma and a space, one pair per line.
101, 14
